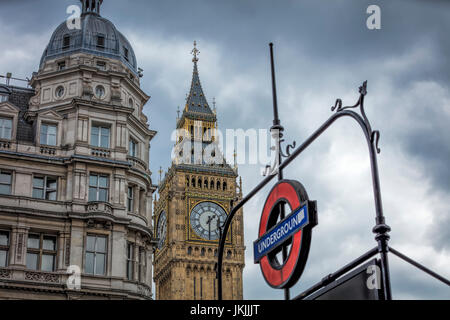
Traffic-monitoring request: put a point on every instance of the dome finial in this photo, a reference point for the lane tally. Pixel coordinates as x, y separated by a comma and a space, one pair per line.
195, 52
91, 6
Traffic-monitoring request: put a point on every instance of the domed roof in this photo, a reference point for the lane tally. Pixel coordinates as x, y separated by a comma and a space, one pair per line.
97, 36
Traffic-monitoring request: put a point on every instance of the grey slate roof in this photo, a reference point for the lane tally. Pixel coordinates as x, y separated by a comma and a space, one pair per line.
196, 101
85, 40
20, 97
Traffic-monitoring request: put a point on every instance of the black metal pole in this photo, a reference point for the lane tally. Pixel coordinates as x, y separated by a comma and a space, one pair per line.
277, 131
419, 266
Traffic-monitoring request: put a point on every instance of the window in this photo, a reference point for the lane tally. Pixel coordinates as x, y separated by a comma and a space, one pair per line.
60, 90
5, 128
130, 197
125, 53
95, 255
100, 92
132, 150
98, 188
100, 136
5, 182
4, 248
101, 65
142, 264
66, 42
100, 41
61, 66
44, 188
130, 261
41, 252
48, 134
130, 103
3, 98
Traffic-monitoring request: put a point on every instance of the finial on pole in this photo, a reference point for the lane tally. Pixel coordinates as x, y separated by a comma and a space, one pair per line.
214, 105
178, 112
195, 52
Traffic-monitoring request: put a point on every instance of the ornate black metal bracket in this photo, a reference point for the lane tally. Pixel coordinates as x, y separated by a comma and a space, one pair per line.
374, 135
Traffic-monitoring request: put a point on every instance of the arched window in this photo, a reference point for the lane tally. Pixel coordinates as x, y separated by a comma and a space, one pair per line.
211, 185
205, 183
224, 186
203, 252
189, 251
218, 185
199, 182
193, 182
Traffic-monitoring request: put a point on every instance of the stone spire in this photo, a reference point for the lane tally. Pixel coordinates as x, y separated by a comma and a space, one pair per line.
196, 100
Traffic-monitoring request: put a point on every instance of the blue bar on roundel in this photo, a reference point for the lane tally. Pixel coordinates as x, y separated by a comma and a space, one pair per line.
281, 232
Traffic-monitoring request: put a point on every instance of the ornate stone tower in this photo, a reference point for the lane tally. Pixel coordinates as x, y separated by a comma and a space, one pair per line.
75, 185
195, 197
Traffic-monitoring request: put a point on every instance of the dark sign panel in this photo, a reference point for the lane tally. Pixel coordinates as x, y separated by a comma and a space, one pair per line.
363, 283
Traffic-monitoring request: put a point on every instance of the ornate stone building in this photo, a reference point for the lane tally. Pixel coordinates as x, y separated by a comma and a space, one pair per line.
195, 197
75, 185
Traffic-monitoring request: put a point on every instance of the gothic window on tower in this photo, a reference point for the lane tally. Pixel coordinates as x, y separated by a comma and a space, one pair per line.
96, 249
45, 188
98, 188
48, 134
5, 182
41, 252
100, 136
5, 128
4, 248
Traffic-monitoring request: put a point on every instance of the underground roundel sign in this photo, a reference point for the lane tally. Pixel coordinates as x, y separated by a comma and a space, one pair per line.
288, 198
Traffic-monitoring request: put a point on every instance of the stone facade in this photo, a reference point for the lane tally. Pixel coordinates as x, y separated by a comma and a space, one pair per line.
75, 184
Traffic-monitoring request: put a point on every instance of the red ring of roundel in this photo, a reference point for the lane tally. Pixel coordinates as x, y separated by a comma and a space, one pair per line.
279, 278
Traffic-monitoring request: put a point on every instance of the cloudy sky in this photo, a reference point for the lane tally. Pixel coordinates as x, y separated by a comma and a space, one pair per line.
323, 51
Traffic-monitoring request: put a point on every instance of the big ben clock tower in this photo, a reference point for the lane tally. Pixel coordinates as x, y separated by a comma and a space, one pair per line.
195, 198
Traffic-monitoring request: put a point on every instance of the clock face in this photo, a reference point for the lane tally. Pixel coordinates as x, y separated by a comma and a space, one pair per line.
205, 218
161, 229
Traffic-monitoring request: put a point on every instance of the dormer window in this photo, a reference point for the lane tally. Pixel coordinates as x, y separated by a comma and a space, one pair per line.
48, 134
101, 65
100, 41
125, 53
5, 128
3, 98
61, 65
66, 42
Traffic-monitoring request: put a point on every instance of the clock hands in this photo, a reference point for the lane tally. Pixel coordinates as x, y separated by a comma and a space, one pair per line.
210, 220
